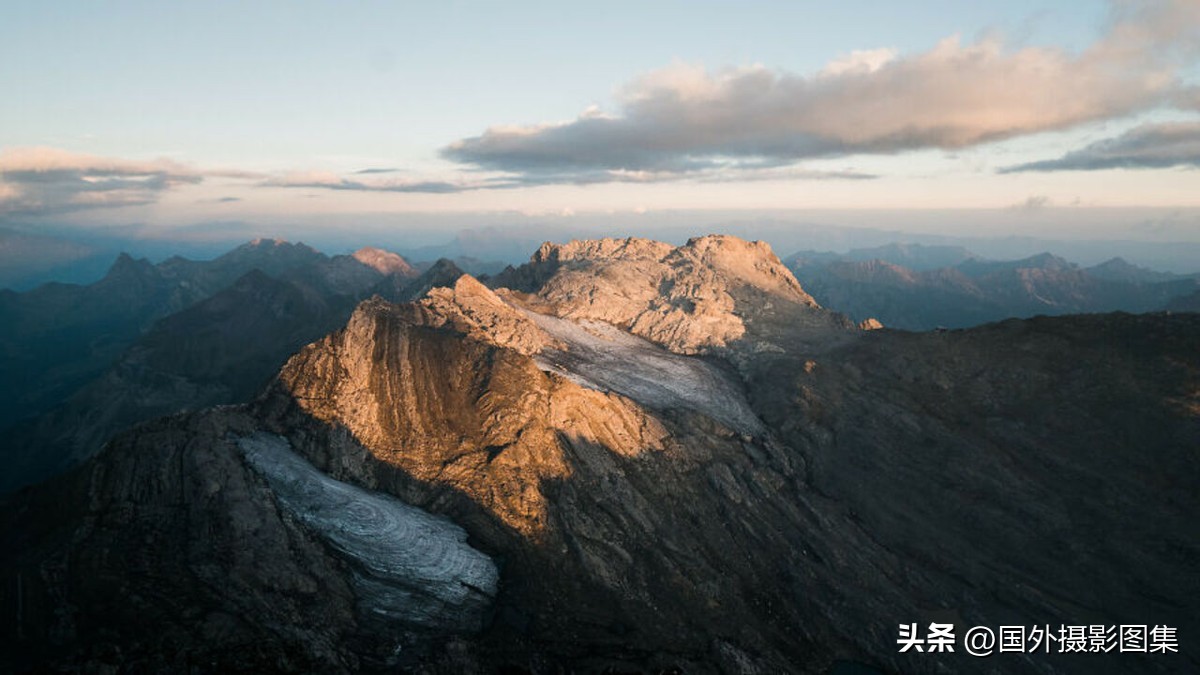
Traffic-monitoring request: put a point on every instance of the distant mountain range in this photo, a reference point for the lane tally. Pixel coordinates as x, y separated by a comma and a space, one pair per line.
57, 336
919, 287
148, 340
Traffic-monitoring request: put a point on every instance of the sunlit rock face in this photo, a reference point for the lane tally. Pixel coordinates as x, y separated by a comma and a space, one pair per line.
474, 310
407, 565
385, 262
453, 410
712, 293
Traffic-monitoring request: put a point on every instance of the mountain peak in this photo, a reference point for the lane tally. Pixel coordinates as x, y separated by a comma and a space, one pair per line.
1120, 269
271, 255
476, 310
126, 264
917, 257
266, 242
264, 245
749, 263
874, 270
1046, 259
689, 299
384, 262
444, 266
593, 250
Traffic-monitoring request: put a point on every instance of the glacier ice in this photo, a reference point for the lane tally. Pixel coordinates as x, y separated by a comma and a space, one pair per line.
602, 356
407, 564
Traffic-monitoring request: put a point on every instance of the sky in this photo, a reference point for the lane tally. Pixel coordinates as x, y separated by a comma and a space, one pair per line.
197, 119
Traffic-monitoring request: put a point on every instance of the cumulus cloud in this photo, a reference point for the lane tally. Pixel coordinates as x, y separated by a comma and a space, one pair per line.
684, 119
40, 181
1149, 146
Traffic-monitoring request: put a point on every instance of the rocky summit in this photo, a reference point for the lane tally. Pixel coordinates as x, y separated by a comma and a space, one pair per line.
699, 297
627, 456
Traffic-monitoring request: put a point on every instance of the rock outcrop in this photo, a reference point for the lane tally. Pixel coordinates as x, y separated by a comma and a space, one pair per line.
704, 296
384, 262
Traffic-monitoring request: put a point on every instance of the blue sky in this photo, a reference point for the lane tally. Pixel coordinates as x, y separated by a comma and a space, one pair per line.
170, 114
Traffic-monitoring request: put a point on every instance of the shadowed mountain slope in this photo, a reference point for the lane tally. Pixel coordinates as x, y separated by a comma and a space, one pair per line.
58, 336
223, 349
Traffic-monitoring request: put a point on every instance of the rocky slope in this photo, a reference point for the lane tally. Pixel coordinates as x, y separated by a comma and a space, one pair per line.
775, 500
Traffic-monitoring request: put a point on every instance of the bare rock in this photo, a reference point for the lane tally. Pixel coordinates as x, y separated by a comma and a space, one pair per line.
384, 262
708, 294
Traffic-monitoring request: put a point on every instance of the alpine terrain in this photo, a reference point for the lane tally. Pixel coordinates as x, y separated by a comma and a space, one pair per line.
621, 456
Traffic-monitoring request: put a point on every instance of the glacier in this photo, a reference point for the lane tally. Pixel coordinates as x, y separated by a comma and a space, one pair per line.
406, 564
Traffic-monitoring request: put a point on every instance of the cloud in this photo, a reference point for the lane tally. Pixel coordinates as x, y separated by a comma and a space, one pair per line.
1149, 146
684, 119
1188, 98
44, 181
718, 174
330, 181
1033, 203
859, 62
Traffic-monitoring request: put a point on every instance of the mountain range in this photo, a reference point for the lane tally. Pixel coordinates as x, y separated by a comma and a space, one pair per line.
148, 340
925, 287
620, 456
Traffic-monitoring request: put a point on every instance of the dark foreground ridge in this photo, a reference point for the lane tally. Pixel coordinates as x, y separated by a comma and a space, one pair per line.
631, 457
